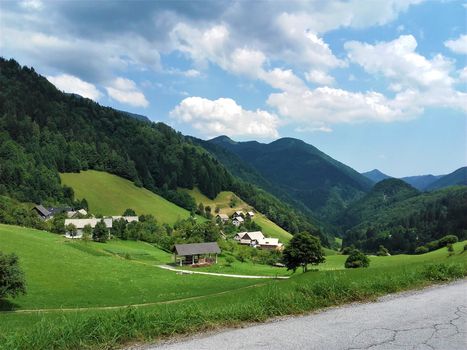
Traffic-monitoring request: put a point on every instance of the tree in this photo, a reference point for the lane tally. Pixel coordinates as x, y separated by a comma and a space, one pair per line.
357, 259
12, 281
72, 230
129, 212
100, 232
302, 250
87, 232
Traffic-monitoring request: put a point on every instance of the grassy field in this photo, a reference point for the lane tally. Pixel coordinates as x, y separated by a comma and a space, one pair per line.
222, 200
109, 194
106, 329
62, 273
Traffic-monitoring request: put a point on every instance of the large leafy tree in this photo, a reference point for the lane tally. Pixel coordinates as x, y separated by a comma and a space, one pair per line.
100, 232
12, 281
357, 259
302, 250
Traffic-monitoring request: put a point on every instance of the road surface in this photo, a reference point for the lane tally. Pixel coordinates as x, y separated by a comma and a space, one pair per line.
431, 319
170, 268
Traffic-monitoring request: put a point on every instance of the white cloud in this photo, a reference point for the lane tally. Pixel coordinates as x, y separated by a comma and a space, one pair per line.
192, 73
398, 61
246, 61
325, 106
319, 77
225, 117
458, 45
284, 80
71, 84
125, 91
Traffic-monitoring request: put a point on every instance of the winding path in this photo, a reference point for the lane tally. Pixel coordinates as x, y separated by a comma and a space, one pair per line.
431, 319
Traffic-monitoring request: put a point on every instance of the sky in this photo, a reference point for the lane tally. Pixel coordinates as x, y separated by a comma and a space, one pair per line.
373, 83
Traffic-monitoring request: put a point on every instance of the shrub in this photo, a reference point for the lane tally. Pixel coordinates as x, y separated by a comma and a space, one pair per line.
443, 271
421, 250
12, 282
347, 250
465, 248
229, 260
357, 259
449, 239
450, 247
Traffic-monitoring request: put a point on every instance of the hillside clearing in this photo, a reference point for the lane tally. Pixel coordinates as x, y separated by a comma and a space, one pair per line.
109, 194
223, 201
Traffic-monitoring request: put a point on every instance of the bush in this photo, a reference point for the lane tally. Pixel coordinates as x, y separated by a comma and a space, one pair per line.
465, 248
450, 248
443, 271
229, 260
449, 239
357, 259
421, 250
12, 282
347, 250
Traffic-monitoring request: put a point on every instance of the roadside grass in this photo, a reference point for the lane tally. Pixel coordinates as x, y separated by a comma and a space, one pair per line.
109, 194
303, 293
66, 274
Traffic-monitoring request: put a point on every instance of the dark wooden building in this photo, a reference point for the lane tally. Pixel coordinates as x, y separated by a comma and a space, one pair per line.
196, 253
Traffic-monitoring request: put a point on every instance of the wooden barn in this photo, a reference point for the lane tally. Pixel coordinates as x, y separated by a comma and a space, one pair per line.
196, 253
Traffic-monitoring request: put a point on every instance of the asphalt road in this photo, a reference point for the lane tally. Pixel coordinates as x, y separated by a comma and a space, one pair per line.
434, 318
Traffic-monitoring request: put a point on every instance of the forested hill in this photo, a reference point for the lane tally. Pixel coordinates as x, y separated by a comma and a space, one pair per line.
318, 181
44, 131
396, 215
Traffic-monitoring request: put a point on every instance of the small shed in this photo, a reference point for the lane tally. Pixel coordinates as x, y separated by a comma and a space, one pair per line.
196, 253
42, 212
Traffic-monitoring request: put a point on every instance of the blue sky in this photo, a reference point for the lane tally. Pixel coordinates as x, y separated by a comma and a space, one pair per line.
375, 84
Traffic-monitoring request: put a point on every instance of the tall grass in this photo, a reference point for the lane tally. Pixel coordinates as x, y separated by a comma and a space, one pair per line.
307, 292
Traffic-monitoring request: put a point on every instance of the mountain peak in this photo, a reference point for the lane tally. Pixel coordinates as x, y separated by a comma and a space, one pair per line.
222, 139
376, 175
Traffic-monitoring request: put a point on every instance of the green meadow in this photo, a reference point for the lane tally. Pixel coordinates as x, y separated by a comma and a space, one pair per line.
102, 295
109, 194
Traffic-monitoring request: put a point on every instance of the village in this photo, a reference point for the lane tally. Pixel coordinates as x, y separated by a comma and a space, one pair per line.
77, 223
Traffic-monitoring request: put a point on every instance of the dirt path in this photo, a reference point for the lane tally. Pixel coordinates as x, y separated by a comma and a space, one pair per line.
170, 268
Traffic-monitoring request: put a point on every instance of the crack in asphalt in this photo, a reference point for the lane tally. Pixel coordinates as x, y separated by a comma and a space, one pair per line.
395, 340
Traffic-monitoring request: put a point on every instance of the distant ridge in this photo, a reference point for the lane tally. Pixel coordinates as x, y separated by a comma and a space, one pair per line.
457, 177
375, 175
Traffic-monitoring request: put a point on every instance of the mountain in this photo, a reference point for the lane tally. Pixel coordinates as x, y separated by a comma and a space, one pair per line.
396, 215
306, 174
421, 182
457, 177
375, 175
44, 132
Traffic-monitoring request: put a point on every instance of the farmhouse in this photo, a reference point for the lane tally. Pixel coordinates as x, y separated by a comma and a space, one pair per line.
80, 223
128, 219
250, 214
248, 237
222, 217
238, 221
268, 243
74, 213
196, 253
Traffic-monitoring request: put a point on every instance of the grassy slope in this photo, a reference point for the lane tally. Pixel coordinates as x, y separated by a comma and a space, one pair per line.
223, 200
62, 273
336, 262
109, 194
302, 293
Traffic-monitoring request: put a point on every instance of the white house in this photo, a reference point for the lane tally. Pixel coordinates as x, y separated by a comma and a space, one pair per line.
268, 243
222, 217
128, 219
250, 214
238, 213
248, 237
80, 223
237, 221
